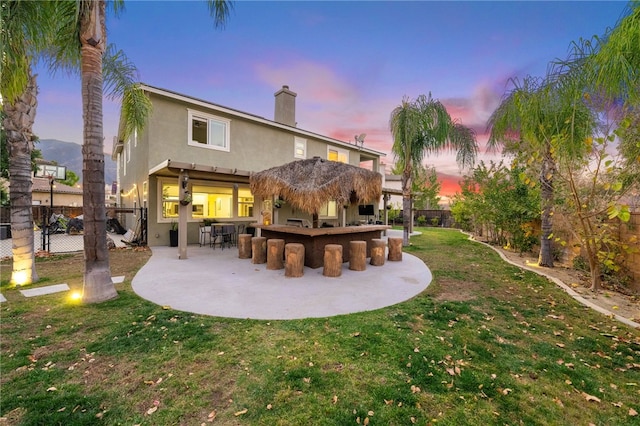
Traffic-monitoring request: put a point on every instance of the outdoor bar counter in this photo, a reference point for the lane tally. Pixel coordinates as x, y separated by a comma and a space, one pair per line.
314, 239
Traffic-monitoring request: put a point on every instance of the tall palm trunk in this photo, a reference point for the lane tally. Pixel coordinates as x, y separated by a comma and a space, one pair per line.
98, 286
545, 257
406, 206
18, 125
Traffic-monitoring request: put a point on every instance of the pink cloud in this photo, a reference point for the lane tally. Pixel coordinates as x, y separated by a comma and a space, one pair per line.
317, 83
329, 103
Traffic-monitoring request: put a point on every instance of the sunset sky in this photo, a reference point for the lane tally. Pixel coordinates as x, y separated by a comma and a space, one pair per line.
350, 62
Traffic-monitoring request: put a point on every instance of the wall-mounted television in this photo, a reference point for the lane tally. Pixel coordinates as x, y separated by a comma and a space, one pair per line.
366, 210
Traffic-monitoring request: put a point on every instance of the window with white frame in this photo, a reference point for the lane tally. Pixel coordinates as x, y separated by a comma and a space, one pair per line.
245, 202
336, 154
124, 162
299, 148
214, 202
145, 191
170, 200
208, 131
210, 200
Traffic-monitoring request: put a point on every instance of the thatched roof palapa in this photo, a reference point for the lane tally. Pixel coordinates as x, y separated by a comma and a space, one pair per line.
309, 184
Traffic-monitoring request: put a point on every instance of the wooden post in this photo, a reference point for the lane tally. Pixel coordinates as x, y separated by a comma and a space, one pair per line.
244, 246
258, 250
275, 253
377, 251
294, 254
395, 249
332, 260
357, 255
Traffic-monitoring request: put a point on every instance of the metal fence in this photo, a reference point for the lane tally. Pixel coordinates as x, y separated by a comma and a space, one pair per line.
59, 229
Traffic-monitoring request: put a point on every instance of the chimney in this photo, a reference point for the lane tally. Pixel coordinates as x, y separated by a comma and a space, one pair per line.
285, 107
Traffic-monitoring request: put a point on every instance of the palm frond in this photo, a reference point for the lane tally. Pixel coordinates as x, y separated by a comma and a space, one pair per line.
219, 10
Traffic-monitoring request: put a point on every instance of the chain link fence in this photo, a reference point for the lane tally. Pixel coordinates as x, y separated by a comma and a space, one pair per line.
60, 229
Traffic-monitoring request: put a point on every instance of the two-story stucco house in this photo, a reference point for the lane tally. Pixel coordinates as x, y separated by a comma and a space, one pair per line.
210, 151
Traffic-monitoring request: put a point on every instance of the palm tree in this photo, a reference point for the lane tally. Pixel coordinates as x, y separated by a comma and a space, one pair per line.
541, 123
614, 65
92, 32
421, 127
25, 31
603, 75
44, 30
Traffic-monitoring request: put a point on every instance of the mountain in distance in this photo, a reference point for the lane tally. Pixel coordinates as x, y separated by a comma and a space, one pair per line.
69, 154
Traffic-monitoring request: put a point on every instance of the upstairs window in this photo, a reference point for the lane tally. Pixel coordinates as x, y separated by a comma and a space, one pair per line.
299, 148
208, 131
339, 155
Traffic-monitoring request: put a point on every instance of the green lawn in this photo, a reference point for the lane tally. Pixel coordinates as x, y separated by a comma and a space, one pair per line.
485, 344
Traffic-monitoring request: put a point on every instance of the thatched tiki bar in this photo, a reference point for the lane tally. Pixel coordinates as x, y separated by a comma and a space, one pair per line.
307, 185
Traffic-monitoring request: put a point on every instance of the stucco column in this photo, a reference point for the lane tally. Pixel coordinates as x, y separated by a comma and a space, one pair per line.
183, 213
385, 202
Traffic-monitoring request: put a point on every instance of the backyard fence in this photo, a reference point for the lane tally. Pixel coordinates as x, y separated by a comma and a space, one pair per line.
60, 229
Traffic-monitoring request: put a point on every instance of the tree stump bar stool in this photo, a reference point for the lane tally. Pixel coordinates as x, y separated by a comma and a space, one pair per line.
258, 250
294, 257
275, 253
395, 249
244, 246
377, 251
357, 255
332, 260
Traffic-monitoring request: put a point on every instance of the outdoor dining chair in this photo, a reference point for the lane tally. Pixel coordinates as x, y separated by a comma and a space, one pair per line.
216, 236
205, 235
228, 235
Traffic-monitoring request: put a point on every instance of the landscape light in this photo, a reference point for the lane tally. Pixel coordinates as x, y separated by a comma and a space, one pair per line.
19, 278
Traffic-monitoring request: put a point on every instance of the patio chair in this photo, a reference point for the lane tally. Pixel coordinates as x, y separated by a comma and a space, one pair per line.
228, 235
216, 236
205, 235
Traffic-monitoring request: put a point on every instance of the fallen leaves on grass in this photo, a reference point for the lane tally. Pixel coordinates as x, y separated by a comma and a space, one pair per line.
590, 398
241, 412
153, 409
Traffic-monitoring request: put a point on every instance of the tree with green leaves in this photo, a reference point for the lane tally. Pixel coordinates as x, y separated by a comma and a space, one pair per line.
557, 127
32, 32
596, 182
498, 200
426, 188
86, 39
424, 185
533, 123
26, 29
421, 127
612, 62
71, 179
71, 35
